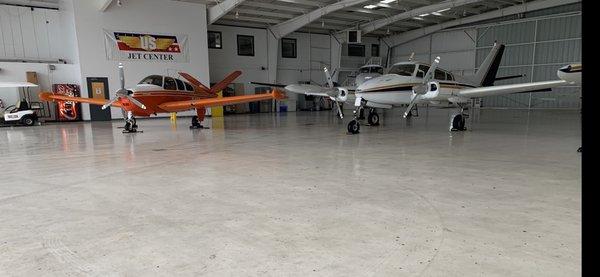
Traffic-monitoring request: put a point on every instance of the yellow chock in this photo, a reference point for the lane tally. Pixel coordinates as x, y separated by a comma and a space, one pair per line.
173, 117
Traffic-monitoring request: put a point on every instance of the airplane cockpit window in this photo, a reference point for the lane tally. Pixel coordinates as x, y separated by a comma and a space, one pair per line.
378, 70
180, 85
170, 84
422, 70
449, 76
439, 75
189, 87
152, 80
403, 69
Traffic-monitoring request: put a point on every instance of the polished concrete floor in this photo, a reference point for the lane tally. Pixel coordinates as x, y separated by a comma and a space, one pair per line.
294, 195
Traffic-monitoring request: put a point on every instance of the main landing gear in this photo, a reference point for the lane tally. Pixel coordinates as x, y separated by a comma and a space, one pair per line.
373, 117
130, 124
458, 121
196, 120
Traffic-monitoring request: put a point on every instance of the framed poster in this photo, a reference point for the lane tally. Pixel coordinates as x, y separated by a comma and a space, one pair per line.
215, 40
245, 45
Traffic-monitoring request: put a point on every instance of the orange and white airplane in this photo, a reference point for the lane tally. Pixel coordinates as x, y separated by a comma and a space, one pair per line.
163, 94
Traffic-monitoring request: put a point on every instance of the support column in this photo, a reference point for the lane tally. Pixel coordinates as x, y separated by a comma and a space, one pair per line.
272, 57
335, 53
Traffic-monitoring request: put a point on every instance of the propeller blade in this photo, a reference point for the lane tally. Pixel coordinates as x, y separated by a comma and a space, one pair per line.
430, 73
328, 76
341, 113
122, 76
112, 101
135, 102
410, 106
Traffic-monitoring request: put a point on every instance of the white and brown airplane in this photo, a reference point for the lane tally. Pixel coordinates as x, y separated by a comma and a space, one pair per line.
411, 83
163, 94
334, 92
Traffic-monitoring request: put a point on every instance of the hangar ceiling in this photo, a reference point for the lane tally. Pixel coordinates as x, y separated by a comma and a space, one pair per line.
268, 13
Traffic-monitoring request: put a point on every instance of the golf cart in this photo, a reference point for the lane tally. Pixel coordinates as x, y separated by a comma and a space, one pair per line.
20, 114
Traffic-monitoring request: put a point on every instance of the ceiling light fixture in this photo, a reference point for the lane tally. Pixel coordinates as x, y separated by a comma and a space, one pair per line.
425, 14
237, 14
387, 1
370, 6
436, 13
322, 24
418, 18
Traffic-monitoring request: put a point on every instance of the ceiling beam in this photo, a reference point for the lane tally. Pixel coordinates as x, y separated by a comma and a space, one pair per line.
448, 4
217, 11
104, 4
527, 7
282, 29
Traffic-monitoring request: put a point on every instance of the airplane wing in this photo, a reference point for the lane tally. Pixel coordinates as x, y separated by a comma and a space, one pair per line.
48, 96
176, 106
17, 85
508, 89
312, 90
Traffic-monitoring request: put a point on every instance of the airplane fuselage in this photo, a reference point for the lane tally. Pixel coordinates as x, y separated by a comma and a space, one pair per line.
396, 90
153, 96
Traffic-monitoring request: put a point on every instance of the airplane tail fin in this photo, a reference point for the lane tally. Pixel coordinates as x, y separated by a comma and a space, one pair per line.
486, 74
225, 82
194, 81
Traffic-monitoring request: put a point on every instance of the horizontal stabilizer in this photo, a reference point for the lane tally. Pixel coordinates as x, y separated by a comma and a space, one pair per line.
268, 84
510, 77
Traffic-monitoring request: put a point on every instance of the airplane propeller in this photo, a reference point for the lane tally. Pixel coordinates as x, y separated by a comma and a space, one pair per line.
340, 95
423, 88
122, 92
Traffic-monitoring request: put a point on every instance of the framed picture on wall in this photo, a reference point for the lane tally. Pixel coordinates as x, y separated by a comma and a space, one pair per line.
215, 40
245, 45
288, 48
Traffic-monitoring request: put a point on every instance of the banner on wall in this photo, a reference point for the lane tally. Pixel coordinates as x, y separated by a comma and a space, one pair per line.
126, 46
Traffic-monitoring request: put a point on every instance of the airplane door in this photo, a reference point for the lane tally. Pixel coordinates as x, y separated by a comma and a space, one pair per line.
98, 89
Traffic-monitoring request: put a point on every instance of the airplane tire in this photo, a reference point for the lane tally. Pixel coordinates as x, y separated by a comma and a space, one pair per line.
458, 123
373, 119
353, 127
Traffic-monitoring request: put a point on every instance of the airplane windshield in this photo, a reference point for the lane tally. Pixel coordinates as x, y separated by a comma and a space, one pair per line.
403, 69
152, 80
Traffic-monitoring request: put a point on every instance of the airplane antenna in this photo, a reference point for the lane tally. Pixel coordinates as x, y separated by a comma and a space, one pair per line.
412, 55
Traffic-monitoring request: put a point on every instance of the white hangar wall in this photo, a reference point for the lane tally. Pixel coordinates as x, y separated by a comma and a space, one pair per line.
38, 34
313, 53
536, 45
139, 16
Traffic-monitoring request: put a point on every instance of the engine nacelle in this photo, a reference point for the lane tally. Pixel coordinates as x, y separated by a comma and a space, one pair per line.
433, 91
342, 95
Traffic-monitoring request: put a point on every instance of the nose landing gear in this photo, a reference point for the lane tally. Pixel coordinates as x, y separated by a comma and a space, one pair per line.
130, 124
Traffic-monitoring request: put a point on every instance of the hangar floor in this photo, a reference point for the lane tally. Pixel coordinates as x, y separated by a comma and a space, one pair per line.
295, 195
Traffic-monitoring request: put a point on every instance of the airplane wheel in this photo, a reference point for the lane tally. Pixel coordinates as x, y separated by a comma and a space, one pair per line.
373, 119
458, 123
127, 126
353, 127
133, 123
